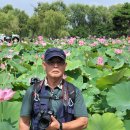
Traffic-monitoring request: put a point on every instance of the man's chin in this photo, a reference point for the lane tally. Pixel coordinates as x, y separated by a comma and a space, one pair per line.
56, 76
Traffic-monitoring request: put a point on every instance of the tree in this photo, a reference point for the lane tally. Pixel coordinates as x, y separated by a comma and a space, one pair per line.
41, 9
58, 6
99, 20
54, 24
77, 16
8, 23
7, 8
33, 25
23, 22
121, 20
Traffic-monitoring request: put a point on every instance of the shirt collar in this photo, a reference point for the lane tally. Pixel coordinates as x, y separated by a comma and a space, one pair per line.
59, 85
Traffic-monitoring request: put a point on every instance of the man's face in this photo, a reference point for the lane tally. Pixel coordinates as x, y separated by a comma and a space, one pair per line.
54, 67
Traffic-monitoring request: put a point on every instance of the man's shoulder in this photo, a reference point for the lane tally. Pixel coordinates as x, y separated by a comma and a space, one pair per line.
29, 89
71, 84
72, 87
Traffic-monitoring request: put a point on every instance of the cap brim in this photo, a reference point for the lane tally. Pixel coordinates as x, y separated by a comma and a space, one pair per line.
55, 54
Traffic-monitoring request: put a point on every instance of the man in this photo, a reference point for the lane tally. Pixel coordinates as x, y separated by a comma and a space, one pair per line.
53, 94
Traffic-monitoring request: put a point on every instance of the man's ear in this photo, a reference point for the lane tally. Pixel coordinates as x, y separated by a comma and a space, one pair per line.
44, 65
65, 64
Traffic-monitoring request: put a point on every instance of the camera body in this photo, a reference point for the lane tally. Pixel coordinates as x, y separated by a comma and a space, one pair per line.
34, 80
45, 119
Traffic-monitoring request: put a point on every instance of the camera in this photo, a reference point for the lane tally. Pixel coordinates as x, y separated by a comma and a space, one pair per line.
45, 119
34, 81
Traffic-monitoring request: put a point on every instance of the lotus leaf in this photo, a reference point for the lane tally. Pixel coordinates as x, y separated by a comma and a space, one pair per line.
107, 121
73, 64
119, 96
10, 111
6, 126
110, 79
119, 64
6, 79
127, 124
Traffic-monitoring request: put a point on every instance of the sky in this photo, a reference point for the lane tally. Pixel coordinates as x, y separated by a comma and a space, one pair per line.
28, 5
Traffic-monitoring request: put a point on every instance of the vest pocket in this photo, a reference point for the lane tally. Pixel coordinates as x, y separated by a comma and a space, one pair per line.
36, 107
71, 110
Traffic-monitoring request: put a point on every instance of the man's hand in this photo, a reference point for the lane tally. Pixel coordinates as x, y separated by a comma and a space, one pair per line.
24, 123
55, 125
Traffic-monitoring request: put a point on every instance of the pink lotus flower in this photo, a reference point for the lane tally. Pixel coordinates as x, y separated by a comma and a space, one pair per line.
94, 44
36, 43
40, 38
2, 66
6, 94
1, 43
100, 61
42, 56
81, 43
10, 51
118, 41
43, 43
71, 40
118, 51
101, 40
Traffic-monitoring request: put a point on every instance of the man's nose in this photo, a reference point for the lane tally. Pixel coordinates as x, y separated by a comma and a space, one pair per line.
55, 64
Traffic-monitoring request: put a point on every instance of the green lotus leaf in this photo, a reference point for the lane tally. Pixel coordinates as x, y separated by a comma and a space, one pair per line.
78, 82
110, 79
119, 64
6, 126
73, 64
37, 71
127, 124
107, 121
18, 48
10, 112
6, 79
17, 66
89, 99
119, 96
91, 72
110, 52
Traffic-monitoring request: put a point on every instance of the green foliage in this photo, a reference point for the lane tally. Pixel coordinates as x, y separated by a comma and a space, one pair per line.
103, 82
8, 23
118, 96
6, 126
105, 87
74, 20
127, 124
108, 121
53, 23
9, 112
6, 79
121, 20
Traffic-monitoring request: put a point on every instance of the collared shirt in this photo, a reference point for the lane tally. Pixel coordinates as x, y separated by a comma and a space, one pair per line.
59, 85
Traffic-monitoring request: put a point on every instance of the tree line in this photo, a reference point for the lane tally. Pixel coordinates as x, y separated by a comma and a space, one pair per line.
57, 20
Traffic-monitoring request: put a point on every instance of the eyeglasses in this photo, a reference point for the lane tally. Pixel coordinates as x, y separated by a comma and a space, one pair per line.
58, 62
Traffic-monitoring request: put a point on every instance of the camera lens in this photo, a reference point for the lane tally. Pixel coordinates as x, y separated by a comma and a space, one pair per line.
44, 122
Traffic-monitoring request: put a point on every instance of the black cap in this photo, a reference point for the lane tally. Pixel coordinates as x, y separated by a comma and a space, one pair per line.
54, 52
